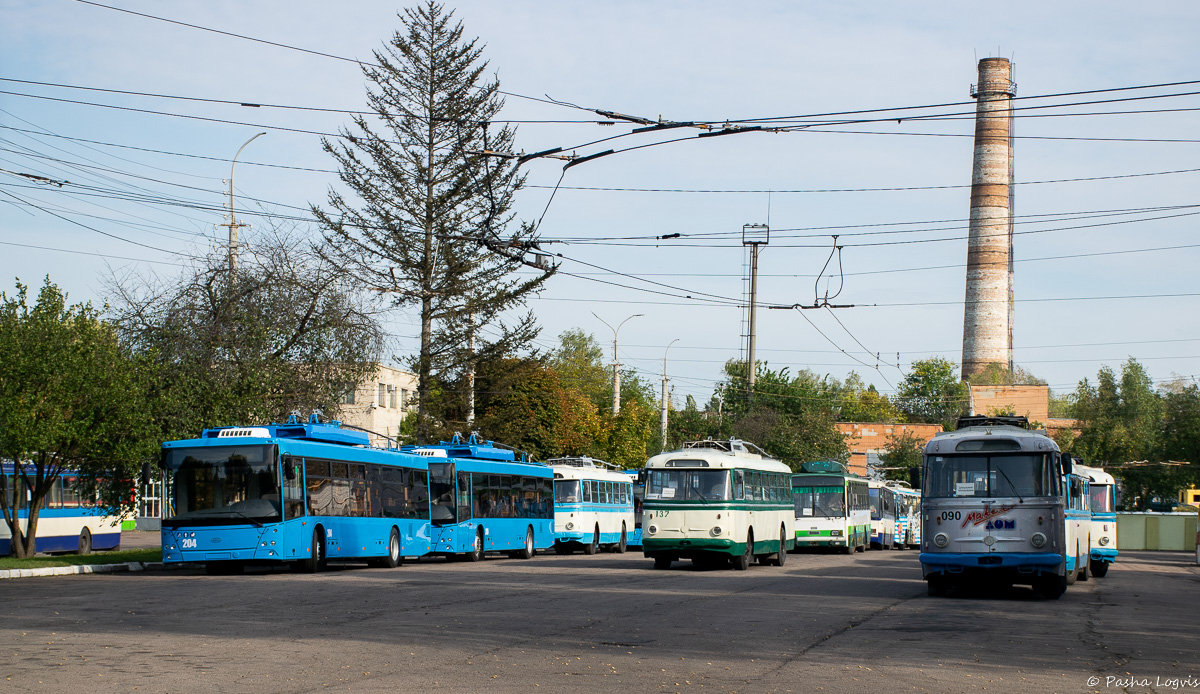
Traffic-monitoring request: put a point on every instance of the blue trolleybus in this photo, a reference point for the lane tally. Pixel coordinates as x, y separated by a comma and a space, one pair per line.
487, 498
67, 522
1001, 503
306, 494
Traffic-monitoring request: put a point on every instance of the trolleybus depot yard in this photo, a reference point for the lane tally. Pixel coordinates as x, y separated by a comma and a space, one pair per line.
1001, 506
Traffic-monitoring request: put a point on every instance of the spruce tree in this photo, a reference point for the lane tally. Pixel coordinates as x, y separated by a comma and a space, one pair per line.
430, 211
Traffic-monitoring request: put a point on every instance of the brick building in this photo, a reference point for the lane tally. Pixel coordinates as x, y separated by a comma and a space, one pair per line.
867, 440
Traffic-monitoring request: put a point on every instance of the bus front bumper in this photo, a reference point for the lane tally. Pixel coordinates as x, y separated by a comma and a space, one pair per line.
1104, 554
687, 546
1021, 562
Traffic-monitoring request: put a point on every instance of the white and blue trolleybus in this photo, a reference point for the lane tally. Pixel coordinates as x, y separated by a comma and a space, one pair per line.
883, 515
593, 505
1103, 545
67, 521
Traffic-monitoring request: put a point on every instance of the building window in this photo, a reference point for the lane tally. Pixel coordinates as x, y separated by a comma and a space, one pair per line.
348, 395
403, 398
381, 400
392, 397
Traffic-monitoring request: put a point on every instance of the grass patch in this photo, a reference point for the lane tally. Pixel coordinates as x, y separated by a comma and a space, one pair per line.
118, 557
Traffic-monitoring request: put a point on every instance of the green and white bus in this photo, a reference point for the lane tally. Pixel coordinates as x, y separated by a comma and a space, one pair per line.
833, 507
717, 501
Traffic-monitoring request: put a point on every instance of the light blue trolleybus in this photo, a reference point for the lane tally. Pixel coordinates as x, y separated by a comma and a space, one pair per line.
593, 505
485, 497
304, 494
1001, 504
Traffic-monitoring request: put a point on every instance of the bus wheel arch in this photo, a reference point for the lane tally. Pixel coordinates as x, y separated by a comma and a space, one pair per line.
594, 545
527, 551
742, 561
395, 555
476, 552
781, 556
316, 558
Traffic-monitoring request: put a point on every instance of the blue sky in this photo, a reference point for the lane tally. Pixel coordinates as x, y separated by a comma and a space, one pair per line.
678, 61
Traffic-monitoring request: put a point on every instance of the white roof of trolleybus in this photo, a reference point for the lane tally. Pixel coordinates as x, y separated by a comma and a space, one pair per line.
1095, 474
576, 471
721, 455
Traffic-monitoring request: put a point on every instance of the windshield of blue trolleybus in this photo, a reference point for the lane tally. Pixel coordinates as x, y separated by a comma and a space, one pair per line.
222, 485
821, 497
989, 476
688, 485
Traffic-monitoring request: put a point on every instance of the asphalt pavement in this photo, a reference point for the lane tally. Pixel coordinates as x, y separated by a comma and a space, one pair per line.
604, 623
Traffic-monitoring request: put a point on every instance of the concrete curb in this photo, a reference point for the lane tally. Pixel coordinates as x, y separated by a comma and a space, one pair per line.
133, 566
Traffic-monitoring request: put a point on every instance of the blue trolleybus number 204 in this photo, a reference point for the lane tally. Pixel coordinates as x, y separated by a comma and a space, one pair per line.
308, 493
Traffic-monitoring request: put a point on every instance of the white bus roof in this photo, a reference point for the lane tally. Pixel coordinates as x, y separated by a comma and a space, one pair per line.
718, 454
576, 472
1095, 474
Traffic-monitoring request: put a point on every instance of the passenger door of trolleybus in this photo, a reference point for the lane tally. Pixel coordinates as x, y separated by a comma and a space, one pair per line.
296, 537
443, 507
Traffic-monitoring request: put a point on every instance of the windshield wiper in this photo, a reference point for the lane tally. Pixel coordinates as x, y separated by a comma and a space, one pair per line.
1010, 484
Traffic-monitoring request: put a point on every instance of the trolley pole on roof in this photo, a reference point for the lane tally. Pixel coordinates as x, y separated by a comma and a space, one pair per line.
665, 397
616, 362
753, 235
233, 222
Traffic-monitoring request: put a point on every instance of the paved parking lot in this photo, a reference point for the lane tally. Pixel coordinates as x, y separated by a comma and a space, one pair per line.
606, 623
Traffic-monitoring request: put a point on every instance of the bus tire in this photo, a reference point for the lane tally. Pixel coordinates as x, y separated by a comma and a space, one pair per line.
393, 558
85, 541
476, 553
781, 555
1099, 568
623, 543
526, 552
661, 562
1051, 586
741, 563
937, 585
316, 559
593, 546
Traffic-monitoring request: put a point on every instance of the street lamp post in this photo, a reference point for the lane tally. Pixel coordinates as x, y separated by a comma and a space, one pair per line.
665, 401
616, 363
233, 223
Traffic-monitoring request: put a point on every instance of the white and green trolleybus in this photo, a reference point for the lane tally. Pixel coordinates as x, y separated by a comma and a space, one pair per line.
832, 506
717, 501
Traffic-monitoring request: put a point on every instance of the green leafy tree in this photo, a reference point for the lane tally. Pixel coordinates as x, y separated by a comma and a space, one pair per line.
287, 332
426, 223
579, 361
792, 417
70, 400
902, 456
863, 403
933, 393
